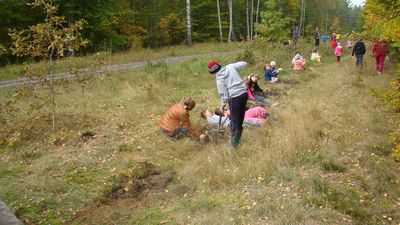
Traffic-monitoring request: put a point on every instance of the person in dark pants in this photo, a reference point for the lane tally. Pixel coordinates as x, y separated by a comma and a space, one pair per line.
316, 36
359, 51
232, 90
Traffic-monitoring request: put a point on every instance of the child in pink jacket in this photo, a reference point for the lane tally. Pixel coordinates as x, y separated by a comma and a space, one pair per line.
254, 116
338, 52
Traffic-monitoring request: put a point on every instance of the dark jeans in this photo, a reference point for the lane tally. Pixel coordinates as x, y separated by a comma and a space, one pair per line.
237, 107
338, 59
316, 42
359, 61
178, 134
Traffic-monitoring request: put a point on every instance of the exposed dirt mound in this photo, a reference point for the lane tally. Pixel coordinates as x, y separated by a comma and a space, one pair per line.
139, 181
290, 81
135, 189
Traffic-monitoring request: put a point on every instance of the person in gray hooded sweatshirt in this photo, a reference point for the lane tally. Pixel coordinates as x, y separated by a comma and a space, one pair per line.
233, 91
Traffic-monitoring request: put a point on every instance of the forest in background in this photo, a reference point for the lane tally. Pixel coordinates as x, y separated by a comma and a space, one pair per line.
125, 25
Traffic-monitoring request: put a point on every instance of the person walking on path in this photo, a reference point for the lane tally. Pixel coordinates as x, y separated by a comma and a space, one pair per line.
233, 91
175, 122
359, 51
338, 52
316, 36
380, 50
296, 33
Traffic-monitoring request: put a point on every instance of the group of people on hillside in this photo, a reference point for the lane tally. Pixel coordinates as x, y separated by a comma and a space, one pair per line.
234, 92
380, 49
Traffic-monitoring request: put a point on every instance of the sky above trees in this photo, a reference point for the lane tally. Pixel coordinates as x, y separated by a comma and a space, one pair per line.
358, 2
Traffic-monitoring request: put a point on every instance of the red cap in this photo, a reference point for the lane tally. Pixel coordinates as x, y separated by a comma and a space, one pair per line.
213, 66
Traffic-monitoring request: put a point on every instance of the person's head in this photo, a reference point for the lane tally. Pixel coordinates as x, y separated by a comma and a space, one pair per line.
189, 104
254, 78
206, 113
272, 64
213, 67
297, 53
218, 112
315, 51
338, 44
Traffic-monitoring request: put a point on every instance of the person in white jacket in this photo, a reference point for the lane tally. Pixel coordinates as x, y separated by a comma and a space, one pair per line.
233, 91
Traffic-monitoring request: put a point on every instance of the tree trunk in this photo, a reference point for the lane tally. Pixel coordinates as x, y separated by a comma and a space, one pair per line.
301, 16
304, 17
251, 19
219, 22
257, 12
247, 20
231, 35
189, 24
53, 94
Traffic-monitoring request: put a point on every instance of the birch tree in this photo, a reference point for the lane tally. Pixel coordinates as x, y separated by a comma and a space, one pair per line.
231, 35
257, 13
247, 20
219, 22
251, 19
188, 24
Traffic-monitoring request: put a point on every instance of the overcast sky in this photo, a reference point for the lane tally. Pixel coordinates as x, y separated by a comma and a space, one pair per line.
358, 2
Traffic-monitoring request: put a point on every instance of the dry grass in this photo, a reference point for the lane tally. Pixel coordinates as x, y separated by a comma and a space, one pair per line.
319, 163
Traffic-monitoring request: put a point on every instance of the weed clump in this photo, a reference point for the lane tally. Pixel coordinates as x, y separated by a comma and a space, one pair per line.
330, 166
87, 135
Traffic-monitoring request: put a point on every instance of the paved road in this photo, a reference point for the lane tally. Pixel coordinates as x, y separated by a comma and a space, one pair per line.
115, 67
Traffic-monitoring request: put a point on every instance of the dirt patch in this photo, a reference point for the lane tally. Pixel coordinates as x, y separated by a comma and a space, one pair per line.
138, 181
290, 81
136, 189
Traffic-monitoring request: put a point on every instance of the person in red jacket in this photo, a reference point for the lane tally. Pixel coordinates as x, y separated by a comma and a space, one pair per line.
380, 50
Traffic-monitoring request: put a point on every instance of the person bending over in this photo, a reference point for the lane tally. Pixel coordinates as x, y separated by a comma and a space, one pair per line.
175, 122
232, 90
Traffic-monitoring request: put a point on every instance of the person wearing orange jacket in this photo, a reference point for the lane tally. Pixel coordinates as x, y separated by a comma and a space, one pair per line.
175, 122
380, 50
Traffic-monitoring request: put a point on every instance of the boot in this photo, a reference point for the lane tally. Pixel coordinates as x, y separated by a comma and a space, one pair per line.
239, 134
235, 141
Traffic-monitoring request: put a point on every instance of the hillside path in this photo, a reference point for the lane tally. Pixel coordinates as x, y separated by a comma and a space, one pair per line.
115, 67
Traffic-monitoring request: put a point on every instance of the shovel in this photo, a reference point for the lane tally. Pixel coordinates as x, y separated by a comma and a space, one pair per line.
219, 128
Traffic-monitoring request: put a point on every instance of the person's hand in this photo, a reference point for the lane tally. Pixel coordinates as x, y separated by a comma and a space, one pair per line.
280, 69
222, 110
204, 138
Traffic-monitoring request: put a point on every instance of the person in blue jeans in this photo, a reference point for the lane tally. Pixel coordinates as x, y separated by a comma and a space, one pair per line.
233, 91
254, 91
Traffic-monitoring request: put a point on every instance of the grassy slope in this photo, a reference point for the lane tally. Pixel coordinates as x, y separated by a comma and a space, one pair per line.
325, 160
